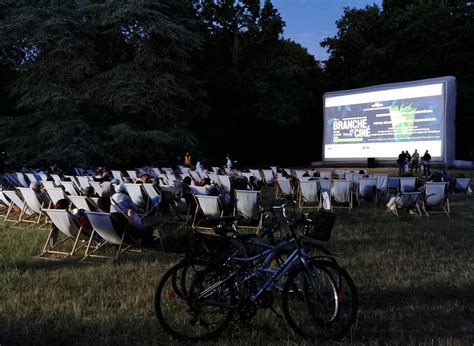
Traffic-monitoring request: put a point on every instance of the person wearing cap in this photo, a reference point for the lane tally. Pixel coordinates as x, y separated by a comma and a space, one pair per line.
121, 202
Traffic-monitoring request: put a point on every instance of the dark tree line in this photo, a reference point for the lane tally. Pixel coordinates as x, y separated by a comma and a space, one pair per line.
133, 82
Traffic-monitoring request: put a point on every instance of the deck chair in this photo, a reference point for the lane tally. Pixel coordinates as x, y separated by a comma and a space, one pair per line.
117, 175
268, 177
10, 181
173, 196
103, 226
341, 193
367, 190
215, 169
309, 195
325, 174
435, 196
202, 173
247, 175
207, 206
325, 185
215, 178
284, 188
247, 206
97, 187
4, 203
56, 179
47, 184
17, 206
81, 202
136, 194
393, 184
408, 200
150, 190
382, 183
407, 184
300, 172
31, 177
225, 181
348, 176
83, 181
70, 188
340, 173
256, 173
55, 194
199, 190
195, 176
65, 224
462, 185
133, 175
31, 203
21, 179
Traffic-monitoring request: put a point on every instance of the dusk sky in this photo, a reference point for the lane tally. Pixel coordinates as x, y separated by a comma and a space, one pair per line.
310, 21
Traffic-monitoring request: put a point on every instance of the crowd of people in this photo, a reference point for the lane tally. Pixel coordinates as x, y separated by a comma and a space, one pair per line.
412, 162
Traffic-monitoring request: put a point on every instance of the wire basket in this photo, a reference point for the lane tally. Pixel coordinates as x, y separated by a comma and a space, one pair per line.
320, 224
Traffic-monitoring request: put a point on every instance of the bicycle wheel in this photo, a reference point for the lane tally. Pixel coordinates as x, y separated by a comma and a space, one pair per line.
185, 314
320, 300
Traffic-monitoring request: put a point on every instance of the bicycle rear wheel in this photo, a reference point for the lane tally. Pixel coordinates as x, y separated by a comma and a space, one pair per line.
320, 300
182, 312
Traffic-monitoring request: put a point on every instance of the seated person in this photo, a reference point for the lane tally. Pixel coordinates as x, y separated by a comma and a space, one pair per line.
133, 231
212, 189
89, 192
254, 184
40, 194
121, 202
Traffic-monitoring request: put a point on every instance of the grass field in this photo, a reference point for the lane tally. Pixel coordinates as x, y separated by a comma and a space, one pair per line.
415, 278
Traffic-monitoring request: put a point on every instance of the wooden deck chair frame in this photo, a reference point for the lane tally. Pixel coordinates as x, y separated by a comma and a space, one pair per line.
349, 184
29, 198
109, 237
200, 210
4, 204
444, 205
16, 203
259, 219
303, 201
69, 231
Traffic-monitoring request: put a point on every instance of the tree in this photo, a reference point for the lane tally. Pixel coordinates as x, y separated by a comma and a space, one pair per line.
100, 81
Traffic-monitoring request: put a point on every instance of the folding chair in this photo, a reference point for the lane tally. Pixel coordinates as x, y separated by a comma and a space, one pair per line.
256, 173
247, 175
325, 174
31, 203
132, 175
82, 202
21, 179
407, 184
247, 206
83, 181
199, 190
56, 179
215, 170
17, 206
207, 206
117, 175
382, 183
150, 190
462, 185
97, 187
393, 184
70, 188
309, 195
47, 184
341, 193
408, 200
195, 176
63, 221
173, 196
4, 203
435, 196
55, 194
136, 194
300, 172
268, 177
225, 181
103, 226
367, 189
32, 178
284, 188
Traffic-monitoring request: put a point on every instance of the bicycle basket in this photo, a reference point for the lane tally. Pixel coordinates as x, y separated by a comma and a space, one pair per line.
320, 226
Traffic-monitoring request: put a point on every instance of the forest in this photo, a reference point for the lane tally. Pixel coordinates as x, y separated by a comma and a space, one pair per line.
127, 83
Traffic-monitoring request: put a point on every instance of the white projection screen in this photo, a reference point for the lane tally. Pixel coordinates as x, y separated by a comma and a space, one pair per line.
381, 121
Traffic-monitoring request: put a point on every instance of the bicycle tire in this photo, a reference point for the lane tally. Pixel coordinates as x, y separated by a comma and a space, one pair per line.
326, 314
179, 323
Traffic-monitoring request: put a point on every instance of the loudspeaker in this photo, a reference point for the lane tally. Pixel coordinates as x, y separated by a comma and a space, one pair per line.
371, 162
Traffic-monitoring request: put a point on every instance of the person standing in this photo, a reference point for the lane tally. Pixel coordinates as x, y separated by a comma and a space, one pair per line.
228, 162
415, 162
3, 157
426, 160
187, 160
401, 163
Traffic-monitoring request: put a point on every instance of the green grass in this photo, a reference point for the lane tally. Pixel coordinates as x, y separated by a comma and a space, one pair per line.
414, 276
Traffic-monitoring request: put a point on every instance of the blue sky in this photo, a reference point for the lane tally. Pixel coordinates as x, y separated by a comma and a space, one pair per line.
310, 21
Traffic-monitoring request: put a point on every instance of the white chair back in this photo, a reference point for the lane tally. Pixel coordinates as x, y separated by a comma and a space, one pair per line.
63, 221
309, 191
80, 202
55, 194
83, 181
285, 186
150, 190
69, 187
407, 184
21, 179
247, 204
268, 176
209, 205
132, 174
102, 224
341, 191
462, 184
435, 193
30, 199
47, 184
199, 190
382, 182
117, 175
135, 193
256, 173
367, 187
17, 201
325, 174
31, 177
225, 181
56, 179
97, 187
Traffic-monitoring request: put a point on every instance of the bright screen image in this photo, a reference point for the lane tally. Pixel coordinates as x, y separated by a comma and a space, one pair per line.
382, 123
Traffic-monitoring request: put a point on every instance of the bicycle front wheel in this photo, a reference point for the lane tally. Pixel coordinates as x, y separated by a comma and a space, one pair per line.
320, 300
183, 311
